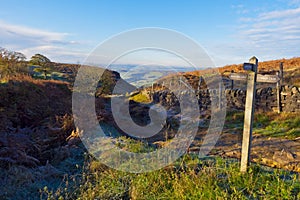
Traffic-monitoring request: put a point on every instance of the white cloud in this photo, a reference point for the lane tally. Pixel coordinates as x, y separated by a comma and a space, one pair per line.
56, 53
267, 35
30, 41
16, 30
279, 14
273, 28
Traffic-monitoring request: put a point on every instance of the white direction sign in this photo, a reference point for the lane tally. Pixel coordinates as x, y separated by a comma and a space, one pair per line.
260, 78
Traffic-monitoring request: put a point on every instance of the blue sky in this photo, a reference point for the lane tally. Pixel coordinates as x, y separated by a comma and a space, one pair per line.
230, 31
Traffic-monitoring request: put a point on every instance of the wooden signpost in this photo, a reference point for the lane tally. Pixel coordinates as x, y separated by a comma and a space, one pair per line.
249, 113
252, 78
238, 76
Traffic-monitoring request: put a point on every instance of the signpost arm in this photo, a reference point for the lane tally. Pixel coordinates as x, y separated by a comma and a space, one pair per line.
249, 114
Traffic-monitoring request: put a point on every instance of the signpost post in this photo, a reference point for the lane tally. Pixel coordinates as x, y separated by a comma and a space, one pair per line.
281, 73
252, 78
249, 112
278, 88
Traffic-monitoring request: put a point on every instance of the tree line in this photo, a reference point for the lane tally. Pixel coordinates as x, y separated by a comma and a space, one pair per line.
12, 63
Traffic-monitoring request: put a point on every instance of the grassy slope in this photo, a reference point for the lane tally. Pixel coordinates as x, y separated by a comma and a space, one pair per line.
189, 178
271, 124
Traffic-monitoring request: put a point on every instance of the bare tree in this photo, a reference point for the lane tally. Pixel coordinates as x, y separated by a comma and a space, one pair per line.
11, 62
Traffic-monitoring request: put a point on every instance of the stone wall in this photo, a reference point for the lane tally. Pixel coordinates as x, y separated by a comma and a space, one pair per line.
266, 98
290, 99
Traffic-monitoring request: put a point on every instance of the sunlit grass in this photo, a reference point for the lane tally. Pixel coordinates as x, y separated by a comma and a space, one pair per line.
140, 98
188, 178
281, 125
272, 124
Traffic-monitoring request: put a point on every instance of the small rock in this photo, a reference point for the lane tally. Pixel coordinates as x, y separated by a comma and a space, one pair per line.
283, 157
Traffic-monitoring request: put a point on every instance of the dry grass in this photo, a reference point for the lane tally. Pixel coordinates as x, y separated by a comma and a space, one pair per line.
28, 102
23, 78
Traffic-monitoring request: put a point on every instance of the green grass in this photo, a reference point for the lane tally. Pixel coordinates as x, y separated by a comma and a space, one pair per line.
218, 179
289, 128
188, 178
133, 145
140, 98
285, 125
234, 120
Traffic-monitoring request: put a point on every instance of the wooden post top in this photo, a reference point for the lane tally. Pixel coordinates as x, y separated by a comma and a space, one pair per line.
254, 61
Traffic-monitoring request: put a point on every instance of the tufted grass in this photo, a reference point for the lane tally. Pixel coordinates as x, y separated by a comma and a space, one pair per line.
285, 125
271, 124
188, 178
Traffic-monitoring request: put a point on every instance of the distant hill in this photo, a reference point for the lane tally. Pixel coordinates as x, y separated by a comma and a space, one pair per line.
144, 75
291, 70
272, 65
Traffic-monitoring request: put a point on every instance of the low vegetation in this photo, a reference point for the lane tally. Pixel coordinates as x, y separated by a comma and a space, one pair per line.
272, 124
280, 125
140, 98
189, 178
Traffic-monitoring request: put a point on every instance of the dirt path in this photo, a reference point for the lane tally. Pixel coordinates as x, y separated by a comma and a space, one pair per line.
273, 152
